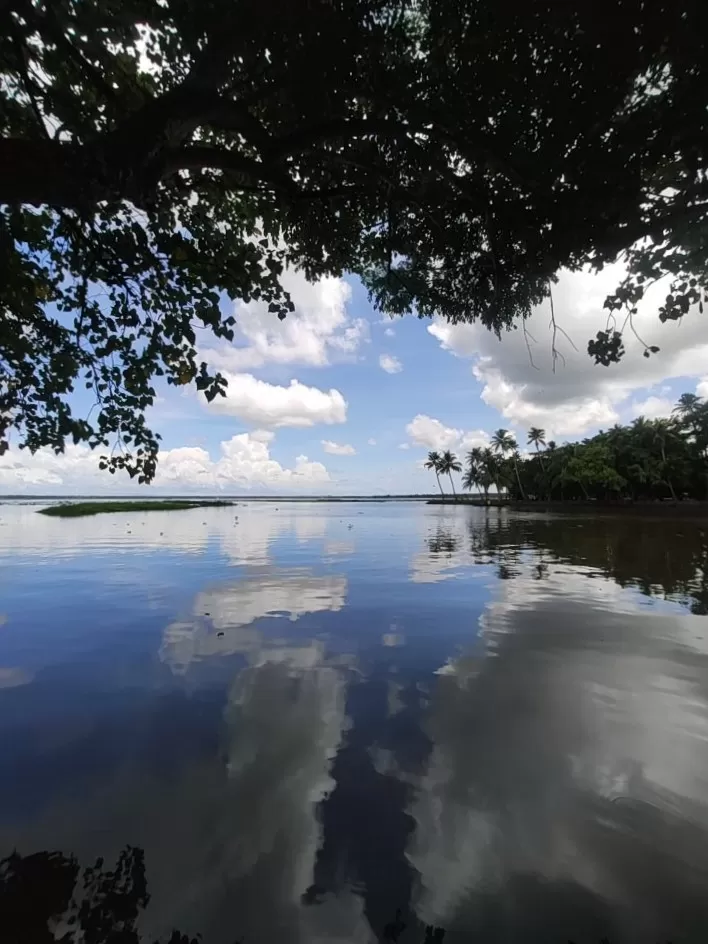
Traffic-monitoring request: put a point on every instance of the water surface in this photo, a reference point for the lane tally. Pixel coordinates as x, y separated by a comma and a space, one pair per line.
310, 716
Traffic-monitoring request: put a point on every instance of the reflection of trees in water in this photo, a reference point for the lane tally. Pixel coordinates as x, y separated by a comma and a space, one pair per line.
659, 557
443, 542
41, 902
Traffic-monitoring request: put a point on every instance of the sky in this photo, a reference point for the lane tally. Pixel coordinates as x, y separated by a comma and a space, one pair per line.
338, 399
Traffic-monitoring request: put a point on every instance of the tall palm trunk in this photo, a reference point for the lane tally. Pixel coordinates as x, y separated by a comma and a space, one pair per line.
518, 479
668, 480
453, 485
437, 476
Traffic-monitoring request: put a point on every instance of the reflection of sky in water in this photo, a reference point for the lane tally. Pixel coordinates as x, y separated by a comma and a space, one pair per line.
311, 715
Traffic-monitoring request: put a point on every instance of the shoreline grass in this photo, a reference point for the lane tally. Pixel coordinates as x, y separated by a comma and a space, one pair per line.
81, 509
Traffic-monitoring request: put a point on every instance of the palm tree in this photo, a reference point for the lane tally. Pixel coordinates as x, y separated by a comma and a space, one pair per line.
536, 437
551, 445
433, 462
687, 403
476, 474
449, 463
489, 465
472, 478
503, 442
664, 430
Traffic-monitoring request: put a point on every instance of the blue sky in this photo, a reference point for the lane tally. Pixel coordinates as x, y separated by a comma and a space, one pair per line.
338, 400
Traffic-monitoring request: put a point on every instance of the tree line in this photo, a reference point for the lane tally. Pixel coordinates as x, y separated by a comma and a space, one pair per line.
647, 460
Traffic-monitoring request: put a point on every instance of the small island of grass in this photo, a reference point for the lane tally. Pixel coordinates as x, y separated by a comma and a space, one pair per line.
80, 509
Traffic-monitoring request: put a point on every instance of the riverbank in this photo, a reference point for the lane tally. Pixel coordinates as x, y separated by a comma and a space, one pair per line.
81, 509
682, 509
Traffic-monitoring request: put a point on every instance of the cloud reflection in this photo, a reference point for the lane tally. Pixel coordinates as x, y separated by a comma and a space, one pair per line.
568, 774
223, 616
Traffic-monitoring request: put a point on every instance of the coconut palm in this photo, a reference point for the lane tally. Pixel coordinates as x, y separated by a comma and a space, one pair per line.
536, 437
503, 442
491, 473
476, 475
433, 462
472, 478
449, 463
687, 403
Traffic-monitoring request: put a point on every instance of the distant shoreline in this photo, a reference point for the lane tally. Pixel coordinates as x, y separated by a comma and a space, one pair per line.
680, 509
230, 499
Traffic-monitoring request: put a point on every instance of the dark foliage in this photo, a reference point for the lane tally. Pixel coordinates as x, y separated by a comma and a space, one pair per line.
158, 158
649, 460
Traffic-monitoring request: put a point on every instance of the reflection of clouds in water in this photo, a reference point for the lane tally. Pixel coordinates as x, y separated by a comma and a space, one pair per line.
232, 608
571, 751
230, 838
245, 533
13, 676
339, 549
3, 619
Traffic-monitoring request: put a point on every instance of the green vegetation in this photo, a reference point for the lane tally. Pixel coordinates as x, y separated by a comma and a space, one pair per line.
161, 158
649, 460
80, 509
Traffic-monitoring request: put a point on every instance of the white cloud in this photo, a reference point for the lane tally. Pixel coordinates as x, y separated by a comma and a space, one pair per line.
264, 404
431, 434
390, 364
702, 387
652, 408
404, 446
317, 332
579, 395
472, 438
335, 449
389, 332
371, 442
244, 461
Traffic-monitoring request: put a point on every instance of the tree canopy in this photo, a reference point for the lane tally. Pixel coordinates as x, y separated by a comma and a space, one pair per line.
648, 460
157, 159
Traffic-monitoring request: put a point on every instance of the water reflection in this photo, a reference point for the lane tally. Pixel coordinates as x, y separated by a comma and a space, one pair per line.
493, 723
566, 786
659, 557
222, 616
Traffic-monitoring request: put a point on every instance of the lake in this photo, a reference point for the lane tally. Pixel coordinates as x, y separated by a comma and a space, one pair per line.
310, 716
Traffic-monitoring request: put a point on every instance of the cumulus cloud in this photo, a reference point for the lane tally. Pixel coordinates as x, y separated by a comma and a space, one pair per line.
702, 387
579, 395
244, 461
390, 364
652, 408
430, 433
335, 449
270, 405
404, 445
371, 442
316, 333
389, 332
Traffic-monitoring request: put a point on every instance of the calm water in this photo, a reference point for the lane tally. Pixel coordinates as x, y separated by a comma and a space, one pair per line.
316, 714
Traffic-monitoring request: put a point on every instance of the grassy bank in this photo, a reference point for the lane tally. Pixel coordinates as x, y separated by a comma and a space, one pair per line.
80, 509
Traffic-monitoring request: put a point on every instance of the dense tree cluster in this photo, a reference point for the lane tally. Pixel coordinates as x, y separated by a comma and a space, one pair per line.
161, 160
648, 460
